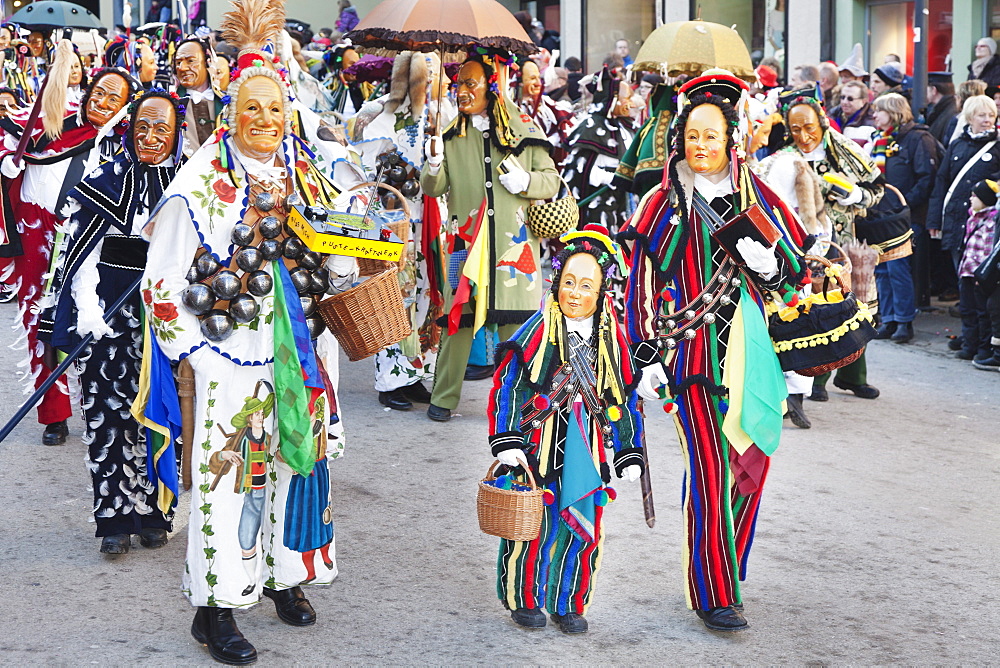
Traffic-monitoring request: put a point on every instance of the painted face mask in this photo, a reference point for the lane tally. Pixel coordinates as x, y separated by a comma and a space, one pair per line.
804, 125
531, 81
75, 73
107, 97
472, 89
154, 130
147, 63
705, 140
579, 286
189, 66
260, 118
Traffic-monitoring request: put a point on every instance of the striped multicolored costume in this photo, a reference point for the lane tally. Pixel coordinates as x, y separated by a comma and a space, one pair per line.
673, 258
557, 571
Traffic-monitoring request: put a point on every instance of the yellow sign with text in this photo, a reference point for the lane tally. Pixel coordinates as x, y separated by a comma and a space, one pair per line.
355, 242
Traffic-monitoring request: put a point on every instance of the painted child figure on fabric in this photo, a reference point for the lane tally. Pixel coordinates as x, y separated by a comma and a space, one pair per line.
563, 395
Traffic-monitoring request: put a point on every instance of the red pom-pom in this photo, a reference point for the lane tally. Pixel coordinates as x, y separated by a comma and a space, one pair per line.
669, 407
541, 402
594, 227
792, 300
548, 497
612, 494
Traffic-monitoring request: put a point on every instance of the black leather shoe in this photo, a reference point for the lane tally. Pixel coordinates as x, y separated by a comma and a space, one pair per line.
416, 393
956, 343
116, 544
904, 333
571, 623
885, 330
476, 372
152, 538
723, 619
865, 391
394, 400
55, 433
797, 413
216, 628
292, 606
438, 414
530, 618
819, 394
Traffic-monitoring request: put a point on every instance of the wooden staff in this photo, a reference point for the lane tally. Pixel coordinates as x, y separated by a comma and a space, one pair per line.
185, 393
644, 480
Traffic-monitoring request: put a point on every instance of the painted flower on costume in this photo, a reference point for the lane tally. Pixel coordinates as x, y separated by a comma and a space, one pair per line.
162, 312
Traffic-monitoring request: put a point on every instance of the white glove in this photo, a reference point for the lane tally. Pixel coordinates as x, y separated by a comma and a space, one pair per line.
631, 473
600, 177
759, 258
652, 376
853, 198
512, 458
515, 181
434, 150
8, 168
90, 320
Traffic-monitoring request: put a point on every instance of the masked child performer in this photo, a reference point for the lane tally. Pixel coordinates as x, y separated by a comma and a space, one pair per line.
563, 396
700, 337
234, 295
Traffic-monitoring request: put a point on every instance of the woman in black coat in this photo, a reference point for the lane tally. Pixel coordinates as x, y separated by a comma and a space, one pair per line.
910, 165
946, 212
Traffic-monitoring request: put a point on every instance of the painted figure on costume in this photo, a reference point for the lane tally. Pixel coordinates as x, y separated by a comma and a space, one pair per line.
103, 256
563, 397
492, 163
698, 332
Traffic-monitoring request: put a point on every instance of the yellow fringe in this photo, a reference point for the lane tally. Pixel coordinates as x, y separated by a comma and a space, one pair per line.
826, 338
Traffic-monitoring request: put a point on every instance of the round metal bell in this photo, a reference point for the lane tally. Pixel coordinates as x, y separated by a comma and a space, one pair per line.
308, 305
207, 265
242, 234
315, 325
259, 283
269, 227
709, 318
310, 260
670, 343
410, 188
689, 315
217, 325
707, 298
198, 298
264, 201
320, 281
249, 259
226, 285
397, 174
192, 274
293, 200
393, 159
293, 248
724, 300
301, 279
270, 249
690, 334
243, 308
671, 324
389, 200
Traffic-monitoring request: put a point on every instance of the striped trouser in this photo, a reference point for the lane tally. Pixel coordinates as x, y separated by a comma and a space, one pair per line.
718, 521
556, 571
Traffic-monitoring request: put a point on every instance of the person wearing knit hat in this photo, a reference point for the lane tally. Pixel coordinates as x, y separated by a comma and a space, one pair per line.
986, 66
887, 78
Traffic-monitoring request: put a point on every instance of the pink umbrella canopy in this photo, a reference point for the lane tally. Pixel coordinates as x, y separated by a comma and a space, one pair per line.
445, 25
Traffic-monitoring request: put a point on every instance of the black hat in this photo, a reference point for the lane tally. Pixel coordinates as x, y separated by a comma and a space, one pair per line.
891, 73
986, 191
939, 77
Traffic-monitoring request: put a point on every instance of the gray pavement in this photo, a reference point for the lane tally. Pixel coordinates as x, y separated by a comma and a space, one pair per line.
877, 543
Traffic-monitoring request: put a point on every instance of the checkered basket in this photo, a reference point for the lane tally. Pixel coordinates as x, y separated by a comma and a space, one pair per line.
550, 219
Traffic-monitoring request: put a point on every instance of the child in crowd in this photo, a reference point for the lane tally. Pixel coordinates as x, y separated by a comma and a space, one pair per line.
979, 232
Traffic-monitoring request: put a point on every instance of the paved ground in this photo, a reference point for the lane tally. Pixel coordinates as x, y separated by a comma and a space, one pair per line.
877, 544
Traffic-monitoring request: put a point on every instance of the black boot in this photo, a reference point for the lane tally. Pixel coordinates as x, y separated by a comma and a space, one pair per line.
571, 622
292, 606
723, 619
152, 538
797, 412
885, 330
119, 543
216, 628
904, 333
395, 400
55, 433
529, 618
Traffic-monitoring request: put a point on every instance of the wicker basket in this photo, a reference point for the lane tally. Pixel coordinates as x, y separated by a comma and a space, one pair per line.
819, 278
368, 317
509, 513
401, 228
904, 249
